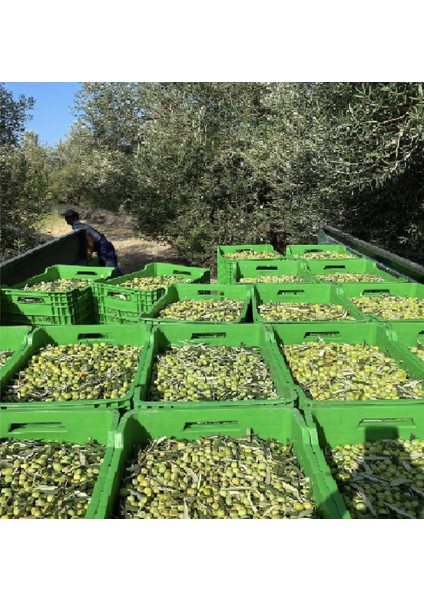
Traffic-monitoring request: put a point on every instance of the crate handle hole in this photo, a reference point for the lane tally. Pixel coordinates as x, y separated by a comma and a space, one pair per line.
177, 272
91, 336
26, 300
209, 293
313, 334
378, 292
334, 267
266, 268
384, 421
86, 273
195, 336
36, 427
290, 292
208, 424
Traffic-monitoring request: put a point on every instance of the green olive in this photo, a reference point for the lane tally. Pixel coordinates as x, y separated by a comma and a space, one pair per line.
210, 373
58, 285
303, 311
381, 479
39, 484
341, 371
342, 277
208, 489
391, 307
223, 310
75, 372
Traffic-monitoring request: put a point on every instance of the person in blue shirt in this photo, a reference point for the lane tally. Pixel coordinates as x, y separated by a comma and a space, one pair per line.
96, 241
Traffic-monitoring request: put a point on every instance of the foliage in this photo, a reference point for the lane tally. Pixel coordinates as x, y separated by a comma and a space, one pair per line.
203, 164
24, 177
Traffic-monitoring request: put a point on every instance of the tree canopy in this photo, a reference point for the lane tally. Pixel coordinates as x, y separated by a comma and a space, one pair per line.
202, 164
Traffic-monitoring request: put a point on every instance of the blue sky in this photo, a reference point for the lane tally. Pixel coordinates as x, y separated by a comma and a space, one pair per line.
51, 116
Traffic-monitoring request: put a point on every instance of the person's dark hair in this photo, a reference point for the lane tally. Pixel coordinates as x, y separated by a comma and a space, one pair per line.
71, 213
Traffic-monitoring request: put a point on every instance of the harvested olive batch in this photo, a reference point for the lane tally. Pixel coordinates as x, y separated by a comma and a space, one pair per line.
272, 279
151, 283
333, 371
418, 350
75, 372
195, 373
58, 285
303, 311
224, 310
349, 277
47, 480
327, 255
382, 479
390, 307
253, 255
4, 357
216, 477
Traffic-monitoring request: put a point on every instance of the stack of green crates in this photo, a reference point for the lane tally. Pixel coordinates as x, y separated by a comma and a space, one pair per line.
21, 306
115, 303
225, 266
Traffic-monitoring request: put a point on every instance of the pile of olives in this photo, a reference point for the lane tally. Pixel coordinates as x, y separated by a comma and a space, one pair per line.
342, 277
303, 311
325, 255
272, 279
253, 255
58, 285
194, 373
75, 372
47, 480
224, 310
4, 356
336, 371
390, 307
216, 477
382, 479
152, 283
418, 350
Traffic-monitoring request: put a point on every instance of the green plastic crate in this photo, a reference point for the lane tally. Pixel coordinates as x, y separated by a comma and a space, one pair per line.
323, 293
178, 292
58, 314
296, 251
114, 303
67, 426
405, 290
53, 308
360, 265
408, 335
251, 335
260, 268
356, 425
133, 335
13, 339
225, 266
352, 333
284, 424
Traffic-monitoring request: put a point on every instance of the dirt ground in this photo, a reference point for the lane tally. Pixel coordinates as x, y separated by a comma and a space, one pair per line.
133, 251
